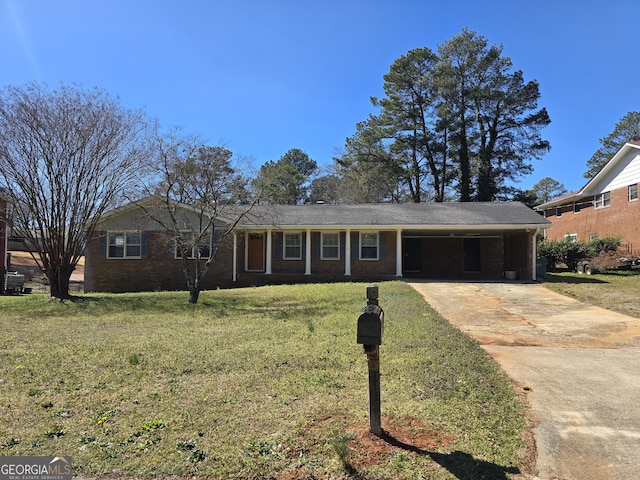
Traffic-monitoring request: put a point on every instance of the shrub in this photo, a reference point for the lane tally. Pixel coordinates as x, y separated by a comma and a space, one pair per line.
602, 245
570, 252
550, 249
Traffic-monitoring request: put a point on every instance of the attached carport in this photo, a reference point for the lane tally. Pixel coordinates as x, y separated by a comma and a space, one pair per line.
482, 253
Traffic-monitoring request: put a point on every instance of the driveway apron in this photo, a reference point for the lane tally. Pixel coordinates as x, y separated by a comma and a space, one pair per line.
578, 364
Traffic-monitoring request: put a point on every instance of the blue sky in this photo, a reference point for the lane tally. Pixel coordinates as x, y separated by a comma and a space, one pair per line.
263, 77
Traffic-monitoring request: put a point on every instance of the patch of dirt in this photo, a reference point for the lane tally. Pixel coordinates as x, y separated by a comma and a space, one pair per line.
365, 450
406, 434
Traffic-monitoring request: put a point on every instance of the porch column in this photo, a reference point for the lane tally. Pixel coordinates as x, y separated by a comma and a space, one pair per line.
307, 266
267, 270
534, 263
234, 274
347, 254
399, 253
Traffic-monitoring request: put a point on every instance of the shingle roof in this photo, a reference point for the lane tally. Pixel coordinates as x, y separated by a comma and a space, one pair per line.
498, 214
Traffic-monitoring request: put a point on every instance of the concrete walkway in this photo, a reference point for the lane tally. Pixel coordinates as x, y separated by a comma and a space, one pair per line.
579, 366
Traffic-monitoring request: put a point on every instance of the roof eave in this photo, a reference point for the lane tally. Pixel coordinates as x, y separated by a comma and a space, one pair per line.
439, 227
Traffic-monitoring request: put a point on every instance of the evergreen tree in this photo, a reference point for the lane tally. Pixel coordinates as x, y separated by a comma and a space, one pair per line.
627, 129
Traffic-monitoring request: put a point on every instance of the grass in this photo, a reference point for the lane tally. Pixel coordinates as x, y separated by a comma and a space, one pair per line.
252, 383
615, 290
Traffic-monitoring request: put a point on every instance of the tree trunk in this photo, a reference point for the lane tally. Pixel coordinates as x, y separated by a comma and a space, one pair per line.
194, 279
59, 281
194, 294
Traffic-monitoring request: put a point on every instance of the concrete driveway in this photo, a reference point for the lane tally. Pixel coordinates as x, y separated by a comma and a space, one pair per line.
578, 364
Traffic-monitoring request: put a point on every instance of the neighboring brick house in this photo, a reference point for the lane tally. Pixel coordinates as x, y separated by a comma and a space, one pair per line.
606, 206
320, 243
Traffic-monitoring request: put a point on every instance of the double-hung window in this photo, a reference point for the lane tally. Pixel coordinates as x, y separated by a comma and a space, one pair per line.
369, 245
292, 246
633, 192
602, 200
571, 237
124, 245
191, 246
330, 246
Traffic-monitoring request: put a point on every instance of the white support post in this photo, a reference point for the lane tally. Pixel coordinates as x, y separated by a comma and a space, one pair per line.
235, 257
399, 253
307, 267
269, 248
534, 263
347, 254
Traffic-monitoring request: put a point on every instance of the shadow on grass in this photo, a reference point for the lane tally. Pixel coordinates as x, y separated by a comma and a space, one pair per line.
572, 278
460, 464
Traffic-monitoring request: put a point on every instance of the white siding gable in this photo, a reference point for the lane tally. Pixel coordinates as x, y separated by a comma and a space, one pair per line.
625, 172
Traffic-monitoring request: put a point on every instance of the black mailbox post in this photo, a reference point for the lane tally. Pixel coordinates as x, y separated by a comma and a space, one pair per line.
371, 326
369, 334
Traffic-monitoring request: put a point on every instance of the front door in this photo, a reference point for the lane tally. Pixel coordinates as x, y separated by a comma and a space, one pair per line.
412, 254
471, 254
255, 252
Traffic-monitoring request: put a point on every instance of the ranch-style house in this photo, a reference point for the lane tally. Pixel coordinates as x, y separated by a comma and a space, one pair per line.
323, 243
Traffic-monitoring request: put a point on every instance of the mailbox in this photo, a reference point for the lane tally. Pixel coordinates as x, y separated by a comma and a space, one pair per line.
371, 325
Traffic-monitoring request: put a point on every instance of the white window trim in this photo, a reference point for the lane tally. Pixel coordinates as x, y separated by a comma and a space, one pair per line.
599, 200
284, 246
573, 237
629, 192
192, 255
377, 234
125, 245
322, 255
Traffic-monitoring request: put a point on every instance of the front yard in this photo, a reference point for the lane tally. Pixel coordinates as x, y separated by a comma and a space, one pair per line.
252, 383
616, 290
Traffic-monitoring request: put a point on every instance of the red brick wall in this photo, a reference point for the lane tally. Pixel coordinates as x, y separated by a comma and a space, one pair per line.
158, 271
518, 251
620, 218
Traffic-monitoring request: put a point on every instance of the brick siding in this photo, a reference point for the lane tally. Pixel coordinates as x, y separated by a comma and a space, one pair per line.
619, 219
442, 257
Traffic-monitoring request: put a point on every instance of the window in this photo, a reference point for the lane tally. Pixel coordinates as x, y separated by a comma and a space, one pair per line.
558, 211
189, 245
633, 192
602, 200
593, 236
572, 237
576, 207
293, 246
330, 246
369, 246
124, 245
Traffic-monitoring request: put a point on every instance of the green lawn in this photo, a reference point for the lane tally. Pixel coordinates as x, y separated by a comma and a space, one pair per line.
615, 290
252, 383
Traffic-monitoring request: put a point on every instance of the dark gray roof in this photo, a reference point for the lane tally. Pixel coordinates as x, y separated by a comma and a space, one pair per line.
498, 214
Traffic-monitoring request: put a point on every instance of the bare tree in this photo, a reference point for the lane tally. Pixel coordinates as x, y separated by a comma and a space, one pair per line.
66, 156
198, 200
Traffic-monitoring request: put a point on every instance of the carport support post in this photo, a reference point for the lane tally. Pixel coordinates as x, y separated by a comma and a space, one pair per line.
375, 425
